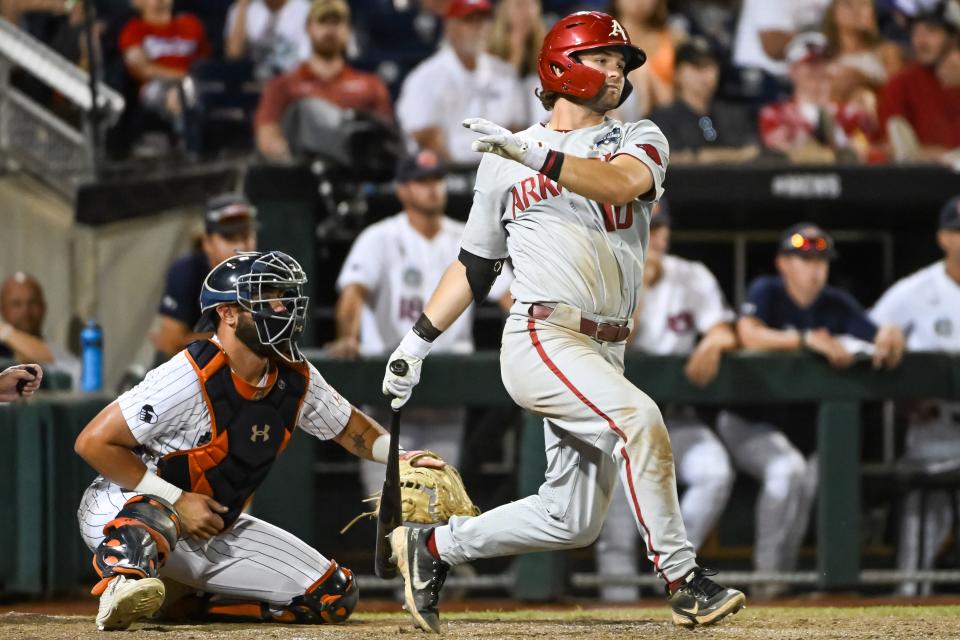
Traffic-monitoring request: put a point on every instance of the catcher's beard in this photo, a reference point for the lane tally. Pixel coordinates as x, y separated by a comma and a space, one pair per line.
247, 334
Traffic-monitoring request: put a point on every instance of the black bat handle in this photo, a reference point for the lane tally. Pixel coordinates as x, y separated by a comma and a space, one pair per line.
399, 367
390, 516
21, 384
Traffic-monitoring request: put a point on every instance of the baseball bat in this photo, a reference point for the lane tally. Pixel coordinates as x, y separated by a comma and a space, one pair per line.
390, 515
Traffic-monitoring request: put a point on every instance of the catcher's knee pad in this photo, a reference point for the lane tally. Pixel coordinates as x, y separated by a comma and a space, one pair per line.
330, 600
138, 541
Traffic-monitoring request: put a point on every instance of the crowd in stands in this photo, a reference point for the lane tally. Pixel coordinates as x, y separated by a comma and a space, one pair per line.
859, 81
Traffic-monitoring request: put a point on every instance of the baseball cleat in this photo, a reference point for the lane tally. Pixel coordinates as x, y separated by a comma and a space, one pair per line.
701, 601
423, 575
126, 600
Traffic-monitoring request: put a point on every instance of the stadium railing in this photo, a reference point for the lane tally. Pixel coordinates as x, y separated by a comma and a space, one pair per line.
46, 479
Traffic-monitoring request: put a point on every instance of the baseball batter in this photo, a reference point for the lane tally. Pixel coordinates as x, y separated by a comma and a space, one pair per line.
569, 202
181, 454
682, 312
926, 305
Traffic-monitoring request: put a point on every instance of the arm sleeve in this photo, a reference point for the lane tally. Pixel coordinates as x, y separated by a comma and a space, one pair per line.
759, 302
167, 399
273, 102
645, 142
418, 104
502, 284
711, 308
325, 412
484, 234
363, 265
176, 302
857, 324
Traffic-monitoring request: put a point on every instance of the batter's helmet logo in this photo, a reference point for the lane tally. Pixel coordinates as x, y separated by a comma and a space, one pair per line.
617, 31
147, 414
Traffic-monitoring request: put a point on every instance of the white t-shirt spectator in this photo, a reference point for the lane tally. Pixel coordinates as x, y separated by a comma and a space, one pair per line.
400, 268
276, 42
441, 92
772, 15
685, 303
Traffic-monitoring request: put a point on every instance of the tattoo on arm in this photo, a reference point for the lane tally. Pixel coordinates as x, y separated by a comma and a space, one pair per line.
359, 444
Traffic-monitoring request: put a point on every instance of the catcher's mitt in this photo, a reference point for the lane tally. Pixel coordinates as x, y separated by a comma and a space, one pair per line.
427, 496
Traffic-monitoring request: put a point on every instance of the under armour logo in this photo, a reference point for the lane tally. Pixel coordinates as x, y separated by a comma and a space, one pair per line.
617, 30
256, 433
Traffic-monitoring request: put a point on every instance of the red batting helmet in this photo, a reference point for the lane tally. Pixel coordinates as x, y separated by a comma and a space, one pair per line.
561, 72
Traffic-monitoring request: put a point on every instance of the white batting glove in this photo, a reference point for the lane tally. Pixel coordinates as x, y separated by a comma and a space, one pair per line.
412, 350
512, 146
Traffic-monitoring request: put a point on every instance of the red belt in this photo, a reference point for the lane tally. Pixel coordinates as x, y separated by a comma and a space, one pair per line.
603, 331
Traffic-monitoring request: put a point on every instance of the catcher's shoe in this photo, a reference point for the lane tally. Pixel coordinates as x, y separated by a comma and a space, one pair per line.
701, 601
423, 575
126, 600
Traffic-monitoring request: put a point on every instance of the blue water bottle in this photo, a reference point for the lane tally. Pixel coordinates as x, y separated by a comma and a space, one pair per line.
91, 350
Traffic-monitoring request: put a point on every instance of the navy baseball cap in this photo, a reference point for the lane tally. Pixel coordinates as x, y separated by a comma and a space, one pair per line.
695, 51
422, 165
230, 214
950, 214
807, 239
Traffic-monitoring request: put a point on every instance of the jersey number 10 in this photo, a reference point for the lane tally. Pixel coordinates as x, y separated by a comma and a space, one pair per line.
615, 218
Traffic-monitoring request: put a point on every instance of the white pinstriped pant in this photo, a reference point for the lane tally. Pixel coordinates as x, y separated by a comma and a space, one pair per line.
251, 560
597, 425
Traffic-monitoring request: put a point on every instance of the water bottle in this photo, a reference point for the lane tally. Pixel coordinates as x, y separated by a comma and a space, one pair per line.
91, 350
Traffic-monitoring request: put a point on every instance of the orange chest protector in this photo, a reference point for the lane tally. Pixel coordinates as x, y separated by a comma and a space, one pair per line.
248, 431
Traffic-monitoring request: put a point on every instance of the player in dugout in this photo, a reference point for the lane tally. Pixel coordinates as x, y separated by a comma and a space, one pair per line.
180, 455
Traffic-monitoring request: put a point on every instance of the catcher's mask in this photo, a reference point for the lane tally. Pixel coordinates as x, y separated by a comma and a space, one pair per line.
269, 286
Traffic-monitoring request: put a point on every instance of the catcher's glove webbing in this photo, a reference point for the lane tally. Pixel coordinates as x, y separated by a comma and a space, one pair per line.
427, 496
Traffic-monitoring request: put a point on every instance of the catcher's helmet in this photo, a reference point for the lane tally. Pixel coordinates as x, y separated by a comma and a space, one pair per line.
560, 70
258, 282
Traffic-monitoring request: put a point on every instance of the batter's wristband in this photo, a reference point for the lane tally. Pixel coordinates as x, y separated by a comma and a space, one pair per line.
425, 329
553, 164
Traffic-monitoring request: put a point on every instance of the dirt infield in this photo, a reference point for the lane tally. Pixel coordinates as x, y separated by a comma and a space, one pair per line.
887, 623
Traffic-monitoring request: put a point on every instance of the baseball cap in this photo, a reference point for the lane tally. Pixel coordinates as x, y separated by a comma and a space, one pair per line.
807, 239
420, 166
464, 8
322, 8
661, 214
809, 46
695, 51
950, 214
230, 214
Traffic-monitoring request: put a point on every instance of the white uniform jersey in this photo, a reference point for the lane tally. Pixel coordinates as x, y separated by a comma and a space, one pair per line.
686, 302
167, 413
926, 305
400, 268
564, 247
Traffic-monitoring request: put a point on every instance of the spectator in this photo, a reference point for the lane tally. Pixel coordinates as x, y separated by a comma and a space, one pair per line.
325, 76
22, 311
764, 30
11, 376
682, 313
645, 22
860, 60
518, 33
230, 226
460, 80
270, 33
926, 306
385, 281
920, 106
699, 128
794, 311
158, 48
810, 126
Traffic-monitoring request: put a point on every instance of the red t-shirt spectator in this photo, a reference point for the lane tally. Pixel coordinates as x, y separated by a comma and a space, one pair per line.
784, 124
175, 45
931, 109
349, 89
